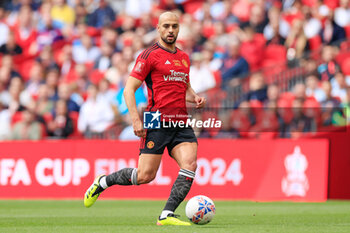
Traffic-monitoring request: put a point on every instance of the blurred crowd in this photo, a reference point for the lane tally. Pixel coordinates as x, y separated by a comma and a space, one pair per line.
64, 64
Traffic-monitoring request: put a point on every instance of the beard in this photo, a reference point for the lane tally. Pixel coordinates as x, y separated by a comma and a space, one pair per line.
168, 41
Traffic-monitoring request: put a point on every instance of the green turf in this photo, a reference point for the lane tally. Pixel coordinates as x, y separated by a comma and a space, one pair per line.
140, 216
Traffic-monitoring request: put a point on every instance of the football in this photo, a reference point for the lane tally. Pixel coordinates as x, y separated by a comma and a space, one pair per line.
200, 209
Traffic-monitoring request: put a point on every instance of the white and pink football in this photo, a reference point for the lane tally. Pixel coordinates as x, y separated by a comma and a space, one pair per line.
200, 209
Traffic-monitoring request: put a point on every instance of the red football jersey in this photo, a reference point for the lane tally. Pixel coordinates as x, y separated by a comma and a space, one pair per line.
166, 74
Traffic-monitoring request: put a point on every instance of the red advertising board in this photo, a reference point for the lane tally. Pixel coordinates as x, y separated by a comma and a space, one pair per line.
339, 161
265, 170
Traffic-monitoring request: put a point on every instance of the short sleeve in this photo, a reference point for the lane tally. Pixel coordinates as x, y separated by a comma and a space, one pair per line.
142, 68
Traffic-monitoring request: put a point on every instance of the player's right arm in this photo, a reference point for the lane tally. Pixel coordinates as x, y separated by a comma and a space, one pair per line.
138, 74
132, 84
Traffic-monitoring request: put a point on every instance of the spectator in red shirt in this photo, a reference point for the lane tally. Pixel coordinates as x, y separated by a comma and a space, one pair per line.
252, 47
25, 33
65, 60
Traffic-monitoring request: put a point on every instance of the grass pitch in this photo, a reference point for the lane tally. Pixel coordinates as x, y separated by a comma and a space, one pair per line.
140, 216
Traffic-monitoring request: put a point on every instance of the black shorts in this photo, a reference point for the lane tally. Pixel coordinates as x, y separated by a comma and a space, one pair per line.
157, 139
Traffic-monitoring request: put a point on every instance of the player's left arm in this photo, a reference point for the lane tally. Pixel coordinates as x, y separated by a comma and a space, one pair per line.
192, 97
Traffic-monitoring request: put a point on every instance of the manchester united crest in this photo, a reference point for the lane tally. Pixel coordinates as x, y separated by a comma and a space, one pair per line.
150, 144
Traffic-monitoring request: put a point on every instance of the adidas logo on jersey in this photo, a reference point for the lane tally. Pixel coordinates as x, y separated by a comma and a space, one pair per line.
167, 62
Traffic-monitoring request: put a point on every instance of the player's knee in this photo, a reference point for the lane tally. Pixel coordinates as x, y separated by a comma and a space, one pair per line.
191, 166
144, 178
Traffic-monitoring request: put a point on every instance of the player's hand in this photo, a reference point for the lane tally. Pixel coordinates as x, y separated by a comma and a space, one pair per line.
138, 129
200, 101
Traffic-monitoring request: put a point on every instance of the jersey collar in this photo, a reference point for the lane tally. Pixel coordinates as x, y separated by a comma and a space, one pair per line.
160, 46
